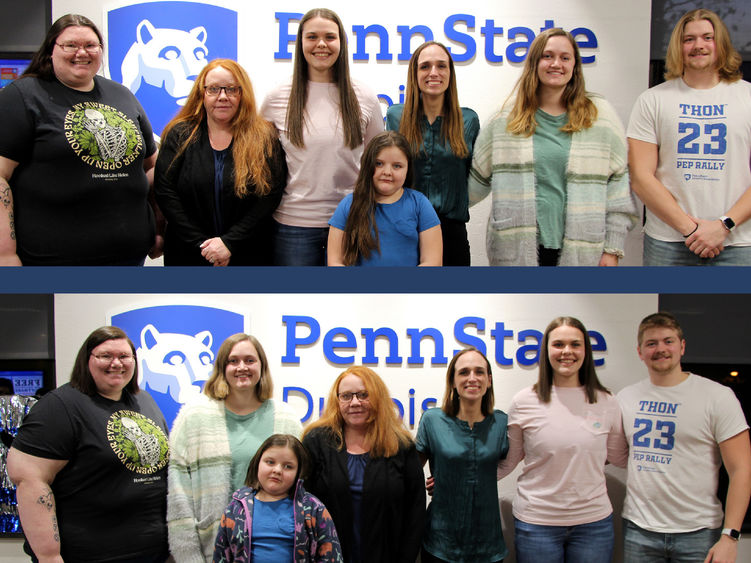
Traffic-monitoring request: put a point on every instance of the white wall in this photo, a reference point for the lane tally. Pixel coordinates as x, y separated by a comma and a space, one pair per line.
620, 70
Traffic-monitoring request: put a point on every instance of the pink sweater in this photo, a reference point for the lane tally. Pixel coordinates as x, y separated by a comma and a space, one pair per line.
564, 444
325, 170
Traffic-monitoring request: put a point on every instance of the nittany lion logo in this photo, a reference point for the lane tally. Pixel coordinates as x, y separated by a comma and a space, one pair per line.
178, 364
176, 346
168, 58
102, 136
156, 50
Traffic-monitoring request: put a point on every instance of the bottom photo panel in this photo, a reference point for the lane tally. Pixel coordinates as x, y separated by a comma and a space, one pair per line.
374, 427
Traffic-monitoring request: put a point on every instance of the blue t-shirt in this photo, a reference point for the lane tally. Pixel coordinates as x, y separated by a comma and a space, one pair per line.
273, 531
399, 226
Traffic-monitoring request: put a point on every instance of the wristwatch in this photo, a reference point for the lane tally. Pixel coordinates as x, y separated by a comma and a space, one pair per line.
728, 222
734, 534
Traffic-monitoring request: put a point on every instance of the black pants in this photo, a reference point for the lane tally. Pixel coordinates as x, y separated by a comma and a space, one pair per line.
455, 243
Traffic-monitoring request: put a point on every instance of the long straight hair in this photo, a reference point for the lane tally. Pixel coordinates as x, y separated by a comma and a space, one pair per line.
581, 111
80, 376
252, 136
217, 387
451, 398
728, 59
349, 107
587, 374
452, 125
386, 432
360, 231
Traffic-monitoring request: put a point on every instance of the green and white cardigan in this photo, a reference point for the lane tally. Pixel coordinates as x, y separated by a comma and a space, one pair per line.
600, 208
199, 485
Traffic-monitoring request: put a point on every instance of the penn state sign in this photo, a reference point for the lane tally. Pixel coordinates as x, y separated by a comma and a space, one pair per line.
157, 49
176, 347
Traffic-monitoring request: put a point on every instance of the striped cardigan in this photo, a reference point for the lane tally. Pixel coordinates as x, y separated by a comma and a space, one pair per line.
198, 477
600, 208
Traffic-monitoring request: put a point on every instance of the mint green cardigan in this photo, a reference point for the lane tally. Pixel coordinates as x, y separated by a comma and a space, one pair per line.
600, 208
198, 478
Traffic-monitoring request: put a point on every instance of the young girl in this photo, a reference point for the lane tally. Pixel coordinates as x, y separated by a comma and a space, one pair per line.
442, 136
324, 119
273, 518
382, 223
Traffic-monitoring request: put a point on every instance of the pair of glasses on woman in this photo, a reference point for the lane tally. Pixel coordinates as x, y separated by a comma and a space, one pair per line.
124, 359
70, 48
347, 397
231, 91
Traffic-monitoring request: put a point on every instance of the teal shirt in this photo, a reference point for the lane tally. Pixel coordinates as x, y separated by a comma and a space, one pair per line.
551, 149
464, 521
438, 173
246, 433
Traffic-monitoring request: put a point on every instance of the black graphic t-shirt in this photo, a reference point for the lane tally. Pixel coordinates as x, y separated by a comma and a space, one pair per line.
111, 495
79, 191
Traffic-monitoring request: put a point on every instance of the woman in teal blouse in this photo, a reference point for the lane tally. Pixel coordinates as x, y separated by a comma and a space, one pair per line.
442, 136
463, 440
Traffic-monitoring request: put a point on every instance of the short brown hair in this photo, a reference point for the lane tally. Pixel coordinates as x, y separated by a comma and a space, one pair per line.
217, 388
282, 441
662, 319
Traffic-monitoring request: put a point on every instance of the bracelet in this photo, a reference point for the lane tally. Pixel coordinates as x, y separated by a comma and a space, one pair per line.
692, 232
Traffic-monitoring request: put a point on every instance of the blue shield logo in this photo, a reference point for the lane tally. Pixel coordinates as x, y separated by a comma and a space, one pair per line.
157, 49
176, 347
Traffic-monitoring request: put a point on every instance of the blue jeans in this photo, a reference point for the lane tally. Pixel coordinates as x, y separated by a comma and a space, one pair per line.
583, 543
643, 546
299, 246
661, 253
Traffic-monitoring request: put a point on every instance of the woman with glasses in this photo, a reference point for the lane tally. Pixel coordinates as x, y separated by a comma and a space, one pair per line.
464, 440
213, 440
325, 120
220, 174
75, 149
365, 469
92, 455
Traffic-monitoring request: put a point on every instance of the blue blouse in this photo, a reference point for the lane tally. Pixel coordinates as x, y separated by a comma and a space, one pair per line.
464, 520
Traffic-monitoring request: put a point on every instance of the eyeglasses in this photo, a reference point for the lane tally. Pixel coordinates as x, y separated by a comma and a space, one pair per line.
347, 397
71, 48
106, 358
231, 91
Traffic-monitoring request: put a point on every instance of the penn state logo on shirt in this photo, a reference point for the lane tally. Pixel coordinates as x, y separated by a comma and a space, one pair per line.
157, 49
138, 442
176, 346
102, 136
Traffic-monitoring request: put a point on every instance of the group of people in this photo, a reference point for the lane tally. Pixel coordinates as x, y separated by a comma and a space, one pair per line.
238, 479
311, 178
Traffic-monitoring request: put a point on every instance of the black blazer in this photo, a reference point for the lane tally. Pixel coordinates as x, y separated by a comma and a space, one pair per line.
393, 499
184, 190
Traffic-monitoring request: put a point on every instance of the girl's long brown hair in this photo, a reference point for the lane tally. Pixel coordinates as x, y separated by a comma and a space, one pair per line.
452, 126
360, 231
252, 136
349, 107
581, 111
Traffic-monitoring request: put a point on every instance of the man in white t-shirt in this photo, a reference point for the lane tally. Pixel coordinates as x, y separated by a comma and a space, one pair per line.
689, 144
679, 427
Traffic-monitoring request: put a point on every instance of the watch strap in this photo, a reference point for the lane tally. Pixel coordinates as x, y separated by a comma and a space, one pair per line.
734, 534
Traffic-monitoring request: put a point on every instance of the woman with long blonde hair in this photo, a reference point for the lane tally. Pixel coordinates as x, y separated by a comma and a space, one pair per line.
325, 119
442, 136
365, 469
555, 161
220, 173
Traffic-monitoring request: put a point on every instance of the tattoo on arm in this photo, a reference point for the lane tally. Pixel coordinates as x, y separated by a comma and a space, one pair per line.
12, 226
47, 500
6, 196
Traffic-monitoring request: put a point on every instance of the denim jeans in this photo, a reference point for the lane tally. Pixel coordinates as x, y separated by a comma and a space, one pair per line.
299, 246
583, 543
661, 253
643, 546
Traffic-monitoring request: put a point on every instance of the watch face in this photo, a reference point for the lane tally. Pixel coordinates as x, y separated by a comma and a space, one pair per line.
729, 223
735, 534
